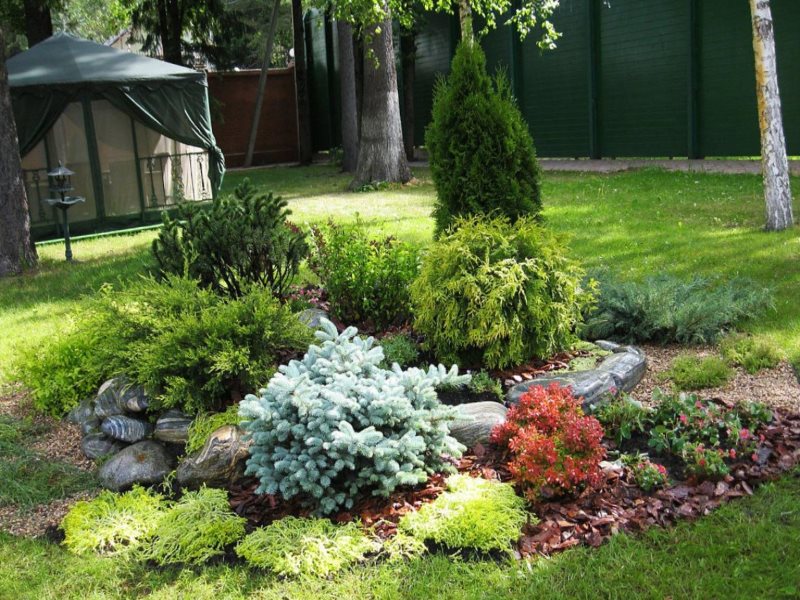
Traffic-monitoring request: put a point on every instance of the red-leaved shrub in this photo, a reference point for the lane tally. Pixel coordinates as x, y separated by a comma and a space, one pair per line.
555, 448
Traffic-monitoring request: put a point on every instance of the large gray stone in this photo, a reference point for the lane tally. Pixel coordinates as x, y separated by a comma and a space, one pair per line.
97, 445
145, 463
126, 429
475, 422
105, 404
132, 398
627, 368
173, 427
82, 413
219, 463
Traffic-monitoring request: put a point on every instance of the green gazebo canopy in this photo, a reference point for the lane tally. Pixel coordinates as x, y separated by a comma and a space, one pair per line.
167, 98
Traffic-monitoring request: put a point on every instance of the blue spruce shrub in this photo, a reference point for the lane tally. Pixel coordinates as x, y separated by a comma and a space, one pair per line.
336, 424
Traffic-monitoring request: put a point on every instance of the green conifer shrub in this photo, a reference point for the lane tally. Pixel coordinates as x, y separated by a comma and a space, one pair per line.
196, 528
366, 279
494, 294
207, 423
752, 354
239, 240
480, 150
189, 347
665, 309
299, 547
473, 513
335, 424
112, 523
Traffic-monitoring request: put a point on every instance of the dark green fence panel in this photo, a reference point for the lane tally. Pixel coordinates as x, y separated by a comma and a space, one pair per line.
318, 83
555, 94
650, 78
435, 46
644, 52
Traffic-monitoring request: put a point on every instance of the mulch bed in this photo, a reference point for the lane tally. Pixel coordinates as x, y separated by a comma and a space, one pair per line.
615, 506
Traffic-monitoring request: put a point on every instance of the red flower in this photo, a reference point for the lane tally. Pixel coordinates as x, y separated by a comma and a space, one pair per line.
732, 453
683, 419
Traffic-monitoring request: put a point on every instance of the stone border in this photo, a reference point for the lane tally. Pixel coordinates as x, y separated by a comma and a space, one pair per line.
618, 373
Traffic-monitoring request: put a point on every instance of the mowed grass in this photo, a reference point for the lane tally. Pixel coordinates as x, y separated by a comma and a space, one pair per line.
747, 549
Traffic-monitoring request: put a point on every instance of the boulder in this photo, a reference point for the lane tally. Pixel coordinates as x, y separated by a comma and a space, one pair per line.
97, 445
312, 317
145, 463
220, 462
475, 422
82, 413
105, 404
620, 372
126, 429
132, 398
173, 427
91, 425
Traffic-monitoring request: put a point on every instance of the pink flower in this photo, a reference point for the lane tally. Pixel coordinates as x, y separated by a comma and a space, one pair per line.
683, 419
732, 453
744, 433
754, 457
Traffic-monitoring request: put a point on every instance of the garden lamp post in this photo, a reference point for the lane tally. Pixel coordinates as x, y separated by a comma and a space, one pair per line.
60, 184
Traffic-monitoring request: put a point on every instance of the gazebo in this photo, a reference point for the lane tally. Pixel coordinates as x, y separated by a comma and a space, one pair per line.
135, 130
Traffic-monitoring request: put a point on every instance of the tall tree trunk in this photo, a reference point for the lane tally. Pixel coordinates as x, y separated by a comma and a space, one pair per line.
465, 20
358, 53
408, 57
301, 85
16, 248
347, 83
170, 31
774, 162
262, 85
38, 21
381, 156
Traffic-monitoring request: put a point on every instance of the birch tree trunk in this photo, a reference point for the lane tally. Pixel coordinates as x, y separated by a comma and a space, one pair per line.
381, 156
465, 20
16, 249
774, 162
347, 82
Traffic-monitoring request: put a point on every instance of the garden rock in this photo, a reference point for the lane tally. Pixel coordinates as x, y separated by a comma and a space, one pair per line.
620, 372
97, 445
82, 413
219, 463
475, 422
132, 399
105, 404
125, 428
145, 463
90, 425
173, 427
312, 317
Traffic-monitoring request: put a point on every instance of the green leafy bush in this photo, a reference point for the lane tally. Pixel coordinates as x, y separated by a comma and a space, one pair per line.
401, 349
196, 528
306, 547
622, 417
689, 372
207, 423
483, 383
750, 353
497, 294
481, 152
647, 474
239, 240
366, 279
189, 347
336, 425
112, 523
473, 513
667, 309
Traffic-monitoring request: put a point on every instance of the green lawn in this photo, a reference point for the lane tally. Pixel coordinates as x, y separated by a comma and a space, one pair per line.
635, 223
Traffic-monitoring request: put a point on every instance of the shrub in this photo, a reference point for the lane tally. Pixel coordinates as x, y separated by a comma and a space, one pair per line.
646, 474
481, 152
336, 425
705, 463
399, 348
366, 279
239, 240
667, 309
196, 528
306, 547
750, 353
497, 294
473, 513
554, 448
483, 383
205, 424
112, 523
622, 417
689, 372
190, 348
